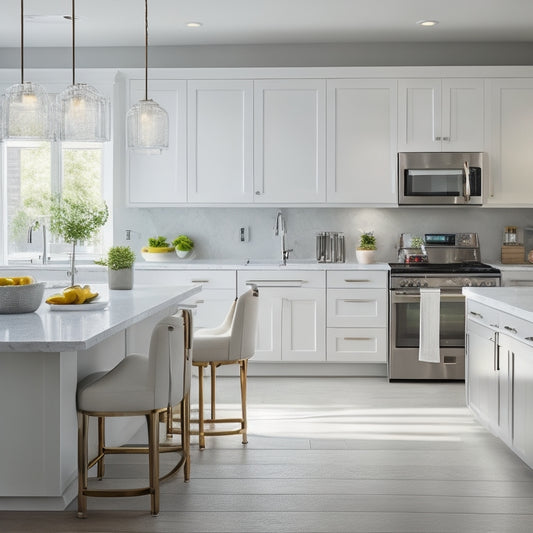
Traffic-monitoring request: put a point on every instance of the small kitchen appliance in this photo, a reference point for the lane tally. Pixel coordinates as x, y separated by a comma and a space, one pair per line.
453, 263
330, 247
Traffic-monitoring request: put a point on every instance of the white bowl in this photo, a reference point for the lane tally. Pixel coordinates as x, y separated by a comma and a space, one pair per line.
16, 299
163, 257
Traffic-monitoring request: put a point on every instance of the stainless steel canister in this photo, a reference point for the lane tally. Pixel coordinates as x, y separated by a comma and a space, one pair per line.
330, 247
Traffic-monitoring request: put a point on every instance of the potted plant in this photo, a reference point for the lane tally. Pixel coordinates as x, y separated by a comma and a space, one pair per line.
157, 250
75, 221
183, 245
120, 260
367, 248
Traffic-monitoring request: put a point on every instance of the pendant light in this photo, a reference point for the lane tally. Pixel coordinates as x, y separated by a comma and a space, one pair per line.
83, 113
26, 111
146, 121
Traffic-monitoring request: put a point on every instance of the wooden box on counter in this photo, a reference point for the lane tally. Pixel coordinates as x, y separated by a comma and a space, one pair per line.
513, 254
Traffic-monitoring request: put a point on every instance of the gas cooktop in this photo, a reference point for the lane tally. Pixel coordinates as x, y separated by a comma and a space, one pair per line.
442, 268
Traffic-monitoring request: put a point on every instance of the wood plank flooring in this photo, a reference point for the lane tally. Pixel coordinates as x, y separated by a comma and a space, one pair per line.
327, 455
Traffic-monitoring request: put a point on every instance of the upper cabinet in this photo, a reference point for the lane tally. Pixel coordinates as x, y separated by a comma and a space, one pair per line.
511, 142
441, 115
220, 135
160, 179
290, 141
361, 141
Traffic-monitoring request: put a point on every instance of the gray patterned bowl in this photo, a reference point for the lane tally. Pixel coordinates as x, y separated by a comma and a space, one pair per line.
21, 298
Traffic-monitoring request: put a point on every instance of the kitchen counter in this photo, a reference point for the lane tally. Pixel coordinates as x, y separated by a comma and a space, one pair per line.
43, 355
232, 264
517, 301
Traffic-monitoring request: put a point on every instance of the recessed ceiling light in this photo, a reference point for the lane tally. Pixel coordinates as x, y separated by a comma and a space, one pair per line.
193, 24
427, 23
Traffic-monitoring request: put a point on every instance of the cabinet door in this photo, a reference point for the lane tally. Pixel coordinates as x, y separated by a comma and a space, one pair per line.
220, 133
511, 139
463, 114
289, 141
419, 115
303, 331
361, 141
482, 377
160, 179
268, 340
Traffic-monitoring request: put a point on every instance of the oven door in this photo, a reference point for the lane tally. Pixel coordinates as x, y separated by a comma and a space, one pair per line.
405, 336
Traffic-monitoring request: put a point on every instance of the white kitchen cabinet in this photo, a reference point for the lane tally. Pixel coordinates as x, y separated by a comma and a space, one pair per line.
160, 179
361, 141
290, 141
441, 115
515, 277
212, 303
292, 315
220, 141
357, 316
511, 138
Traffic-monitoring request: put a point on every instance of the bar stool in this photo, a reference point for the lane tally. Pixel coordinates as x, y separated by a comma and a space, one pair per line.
231, 343
139, 386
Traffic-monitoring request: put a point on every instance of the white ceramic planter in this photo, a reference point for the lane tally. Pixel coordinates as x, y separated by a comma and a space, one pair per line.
365, 257
120, 279
182, 254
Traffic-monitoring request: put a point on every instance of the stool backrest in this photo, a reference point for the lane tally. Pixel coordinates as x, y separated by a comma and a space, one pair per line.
244, 325
167, 361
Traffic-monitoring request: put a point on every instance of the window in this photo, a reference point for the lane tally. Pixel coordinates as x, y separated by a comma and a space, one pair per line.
35, 172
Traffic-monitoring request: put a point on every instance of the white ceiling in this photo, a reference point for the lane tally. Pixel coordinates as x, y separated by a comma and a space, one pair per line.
121, 22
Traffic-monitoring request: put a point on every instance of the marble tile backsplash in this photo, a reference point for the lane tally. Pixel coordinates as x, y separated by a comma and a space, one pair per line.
215, 231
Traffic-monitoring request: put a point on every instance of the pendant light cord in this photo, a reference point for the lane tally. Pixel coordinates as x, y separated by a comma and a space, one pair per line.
146, 49
21, 41
73, 42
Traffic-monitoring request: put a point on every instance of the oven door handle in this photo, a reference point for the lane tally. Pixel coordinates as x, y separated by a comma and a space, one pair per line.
467, 191
403, 297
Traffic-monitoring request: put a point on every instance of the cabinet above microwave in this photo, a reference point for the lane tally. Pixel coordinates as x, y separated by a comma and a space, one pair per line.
440, 178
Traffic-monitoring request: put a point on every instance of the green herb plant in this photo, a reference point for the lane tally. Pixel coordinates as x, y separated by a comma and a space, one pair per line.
158, 242
183, 243
120, 257
75, 221
367, 241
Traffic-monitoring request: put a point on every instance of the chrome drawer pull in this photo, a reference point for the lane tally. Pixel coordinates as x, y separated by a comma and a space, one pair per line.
357, 280
357, 301
476, 314
530, 339
509, 328
494, 325
200, 301
199, 281
357, 338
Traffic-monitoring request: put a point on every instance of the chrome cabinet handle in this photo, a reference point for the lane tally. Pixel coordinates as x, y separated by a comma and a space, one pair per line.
494, 325
357, 280
258, 193
199, 281
352, 301
445, 138
438, 138
357, 338
467, 182
476, 314
509, 328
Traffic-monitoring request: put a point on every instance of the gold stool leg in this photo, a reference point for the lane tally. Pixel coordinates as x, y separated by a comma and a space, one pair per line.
186, 435
153, 460
83, 426
101, 445
243, 377
201, 431
213, 390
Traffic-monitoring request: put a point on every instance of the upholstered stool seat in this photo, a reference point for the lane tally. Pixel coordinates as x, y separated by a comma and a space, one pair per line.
139, 386
231, 343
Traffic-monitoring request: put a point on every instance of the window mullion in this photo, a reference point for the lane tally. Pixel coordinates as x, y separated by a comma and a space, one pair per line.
56, 167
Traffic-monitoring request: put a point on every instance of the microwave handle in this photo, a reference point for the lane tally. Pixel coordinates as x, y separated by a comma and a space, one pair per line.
467, 190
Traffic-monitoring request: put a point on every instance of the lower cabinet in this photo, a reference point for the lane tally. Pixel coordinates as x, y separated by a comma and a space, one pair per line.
292, 314
500, 376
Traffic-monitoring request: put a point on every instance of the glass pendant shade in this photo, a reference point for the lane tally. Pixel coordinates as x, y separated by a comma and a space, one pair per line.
26, 113
83, 114
147, 127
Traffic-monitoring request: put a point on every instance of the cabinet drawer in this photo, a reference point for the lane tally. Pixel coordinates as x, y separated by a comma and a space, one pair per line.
518, 327
357, 307
209, 279
288, 278
483, 314
357, 345
357, 279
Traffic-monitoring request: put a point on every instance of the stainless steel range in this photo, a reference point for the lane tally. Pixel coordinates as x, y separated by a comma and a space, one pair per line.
453, 262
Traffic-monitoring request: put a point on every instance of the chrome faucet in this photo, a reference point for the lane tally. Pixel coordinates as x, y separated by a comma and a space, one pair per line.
36, 225
281, 229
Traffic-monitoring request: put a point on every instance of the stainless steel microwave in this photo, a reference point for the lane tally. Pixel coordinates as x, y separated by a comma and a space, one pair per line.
440, 178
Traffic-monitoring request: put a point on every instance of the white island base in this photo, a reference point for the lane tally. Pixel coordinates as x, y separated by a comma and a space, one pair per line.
42, 357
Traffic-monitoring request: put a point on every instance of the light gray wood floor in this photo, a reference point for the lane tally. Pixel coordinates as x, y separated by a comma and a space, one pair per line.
327, 455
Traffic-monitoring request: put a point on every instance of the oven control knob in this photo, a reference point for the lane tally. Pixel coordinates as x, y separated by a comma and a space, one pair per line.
424, 284
403, 283
482, 284
467, 282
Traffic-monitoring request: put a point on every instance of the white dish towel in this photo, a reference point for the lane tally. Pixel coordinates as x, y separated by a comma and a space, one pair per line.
429, 350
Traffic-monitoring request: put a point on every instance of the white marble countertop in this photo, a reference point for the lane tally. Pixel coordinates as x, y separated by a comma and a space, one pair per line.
517, 301
53, 331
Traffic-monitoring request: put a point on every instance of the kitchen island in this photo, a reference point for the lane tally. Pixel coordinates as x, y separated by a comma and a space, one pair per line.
42, 357
499, 352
